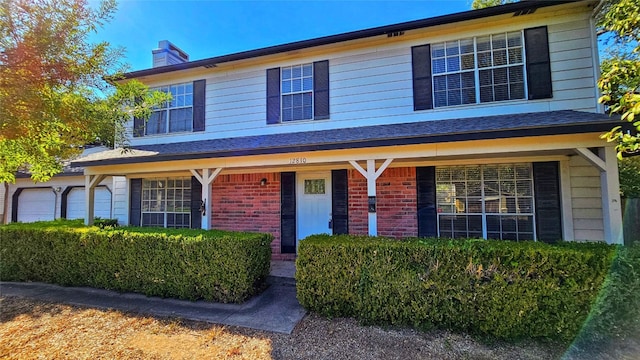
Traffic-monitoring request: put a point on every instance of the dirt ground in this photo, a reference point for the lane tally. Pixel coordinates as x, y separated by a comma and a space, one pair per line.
39, 330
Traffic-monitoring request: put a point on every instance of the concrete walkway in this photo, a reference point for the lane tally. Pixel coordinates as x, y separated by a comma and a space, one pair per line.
276, 309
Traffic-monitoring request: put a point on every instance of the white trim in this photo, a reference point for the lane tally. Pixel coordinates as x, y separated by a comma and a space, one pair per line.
592, 158
206, 177
611, 206
565, 200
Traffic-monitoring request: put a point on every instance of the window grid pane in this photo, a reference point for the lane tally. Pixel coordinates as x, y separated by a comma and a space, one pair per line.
297, 92
496, 200
166, 202
496, 61
175, 115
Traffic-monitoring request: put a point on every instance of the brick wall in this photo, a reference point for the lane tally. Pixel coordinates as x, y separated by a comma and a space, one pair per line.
397, 203
240, 203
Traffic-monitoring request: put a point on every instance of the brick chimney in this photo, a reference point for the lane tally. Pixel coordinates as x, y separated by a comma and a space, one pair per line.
168, 54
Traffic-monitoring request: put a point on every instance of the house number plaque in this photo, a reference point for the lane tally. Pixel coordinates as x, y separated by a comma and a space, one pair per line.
300, 160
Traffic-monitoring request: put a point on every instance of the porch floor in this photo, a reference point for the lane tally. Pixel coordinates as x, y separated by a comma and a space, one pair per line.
283, 269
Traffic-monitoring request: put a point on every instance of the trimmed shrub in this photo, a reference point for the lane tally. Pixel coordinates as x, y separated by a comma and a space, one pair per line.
187, 264
497, 288
616, 313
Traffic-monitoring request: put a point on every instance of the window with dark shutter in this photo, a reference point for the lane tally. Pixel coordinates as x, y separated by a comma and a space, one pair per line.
288, 213
426, 189
546, 179
298, 92
482, 69
340, 201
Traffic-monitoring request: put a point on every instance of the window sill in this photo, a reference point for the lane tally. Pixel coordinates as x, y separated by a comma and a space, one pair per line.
301, 121
484, 105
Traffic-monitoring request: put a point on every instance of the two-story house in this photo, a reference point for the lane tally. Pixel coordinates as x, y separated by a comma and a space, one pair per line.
482, 123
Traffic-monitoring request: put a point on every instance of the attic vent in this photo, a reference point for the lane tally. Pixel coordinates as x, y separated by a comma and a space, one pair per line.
395, 33
524, 12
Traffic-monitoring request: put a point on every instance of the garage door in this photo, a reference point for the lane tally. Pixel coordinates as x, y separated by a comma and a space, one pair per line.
102, 203
36, 205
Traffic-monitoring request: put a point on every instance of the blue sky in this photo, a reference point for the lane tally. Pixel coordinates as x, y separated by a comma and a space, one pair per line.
210, 28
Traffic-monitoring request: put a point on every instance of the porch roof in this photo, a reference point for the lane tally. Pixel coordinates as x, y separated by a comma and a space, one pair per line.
426, 132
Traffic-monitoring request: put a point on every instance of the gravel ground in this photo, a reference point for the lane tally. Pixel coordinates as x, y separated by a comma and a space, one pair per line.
34, 329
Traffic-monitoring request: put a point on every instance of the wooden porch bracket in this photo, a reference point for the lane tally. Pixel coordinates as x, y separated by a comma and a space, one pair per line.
90, 183
206, 177
607, 163
371, 174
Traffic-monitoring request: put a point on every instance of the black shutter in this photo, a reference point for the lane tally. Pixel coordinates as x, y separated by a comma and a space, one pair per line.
426, 189
547, 196
138, 123
199, 92
340, 201
538, 64
273, 96
196, 197
421, 64
135, 202
321, 90
288, 213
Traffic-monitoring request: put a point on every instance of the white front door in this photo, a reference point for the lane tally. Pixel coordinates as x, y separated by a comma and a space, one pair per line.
314, 203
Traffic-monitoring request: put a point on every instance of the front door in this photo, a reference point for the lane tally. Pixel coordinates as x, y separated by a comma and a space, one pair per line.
314, 203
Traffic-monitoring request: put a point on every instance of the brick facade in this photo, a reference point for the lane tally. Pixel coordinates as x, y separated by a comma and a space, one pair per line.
239, 202
397, 203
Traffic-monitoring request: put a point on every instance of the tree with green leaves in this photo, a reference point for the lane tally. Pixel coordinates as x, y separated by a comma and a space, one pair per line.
54, 98
620, 78
480, 4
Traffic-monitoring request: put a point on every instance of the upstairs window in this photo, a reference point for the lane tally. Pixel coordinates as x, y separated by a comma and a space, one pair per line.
497, 67
175, 115
297, 92
482, 69
184, 113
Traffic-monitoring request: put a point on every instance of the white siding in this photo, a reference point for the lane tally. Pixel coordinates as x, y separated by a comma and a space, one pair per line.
586, 200
371, 85
120, 199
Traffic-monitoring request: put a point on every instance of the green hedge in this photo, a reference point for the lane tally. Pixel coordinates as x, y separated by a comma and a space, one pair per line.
187, 264
495, 288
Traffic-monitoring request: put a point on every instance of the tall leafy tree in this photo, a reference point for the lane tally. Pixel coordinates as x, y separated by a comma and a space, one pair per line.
620, 79
480, 4
54, 98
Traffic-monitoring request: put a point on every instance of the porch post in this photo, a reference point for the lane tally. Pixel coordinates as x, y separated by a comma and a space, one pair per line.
206, 179
611, 206
607, 162
90, 183
371, 174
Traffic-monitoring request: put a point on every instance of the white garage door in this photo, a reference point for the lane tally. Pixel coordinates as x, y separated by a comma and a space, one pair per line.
102, 203
36, 205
